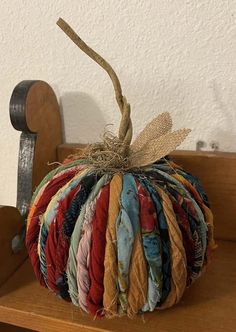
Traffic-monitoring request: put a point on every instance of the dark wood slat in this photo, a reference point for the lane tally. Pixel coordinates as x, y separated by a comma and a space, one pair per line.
12, 328
11, 223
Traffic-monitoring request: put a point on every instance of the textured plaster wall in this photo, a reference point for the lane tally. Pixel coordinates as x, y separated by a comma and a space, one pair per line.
177, 56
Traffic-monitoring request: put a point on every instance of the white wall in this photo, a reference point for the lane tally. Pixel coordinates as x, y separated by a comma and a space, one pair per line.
177, 56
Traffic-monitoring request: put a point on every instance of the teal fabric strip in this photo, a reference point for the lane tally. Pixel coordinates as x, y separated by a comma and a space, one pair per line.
126, 229
152, 251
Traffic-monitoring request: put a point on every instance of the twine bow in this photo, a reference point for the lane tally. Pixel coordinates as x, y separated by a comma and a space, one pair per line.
117, 153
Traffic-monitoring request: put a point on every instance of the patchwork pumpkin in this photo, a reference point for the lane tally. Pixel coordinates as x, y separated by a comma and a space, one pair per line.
120, 228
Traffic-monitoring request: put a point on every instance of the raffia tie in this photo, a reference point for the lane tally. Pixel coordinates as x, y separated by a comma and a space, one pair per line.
117, 153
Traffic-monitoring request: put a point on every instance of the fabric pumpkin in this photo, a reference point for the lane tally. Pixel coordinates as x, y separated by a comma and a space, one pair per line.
119, 228
121, 243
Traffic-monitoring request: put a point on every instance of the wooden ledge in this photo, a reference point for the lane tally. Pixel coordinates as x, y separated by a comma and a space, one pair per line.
209, 305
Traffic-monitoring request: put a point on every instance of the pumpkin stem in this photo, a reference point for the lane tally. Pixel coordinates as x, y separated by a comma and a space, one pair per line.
125, 130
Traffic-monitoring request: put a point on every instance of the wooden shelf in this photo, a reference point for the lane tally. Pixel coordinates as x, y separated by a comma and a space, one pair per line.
209, 305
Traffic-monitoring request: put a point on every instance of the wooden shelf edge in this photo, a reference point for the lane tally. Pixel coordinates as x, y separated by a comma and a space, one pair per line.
45, 324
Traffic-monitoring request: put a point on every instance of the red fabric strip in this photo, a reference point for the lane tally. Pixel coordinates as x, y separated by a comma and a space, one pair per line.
97, 254
55, 236
34, 226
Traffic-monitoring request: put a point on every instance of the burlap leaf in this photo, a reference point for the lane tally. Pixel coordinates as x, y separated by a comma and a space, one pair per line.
157, 148
159, 126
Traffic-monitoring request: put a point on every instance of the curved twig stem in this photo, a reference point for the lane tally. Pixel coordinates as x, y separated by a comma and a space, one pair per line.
96, 57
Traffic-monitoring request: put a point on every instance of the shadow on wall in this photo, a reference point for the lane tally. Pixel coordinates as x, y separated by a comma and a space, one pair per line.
81, 117
227, 137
